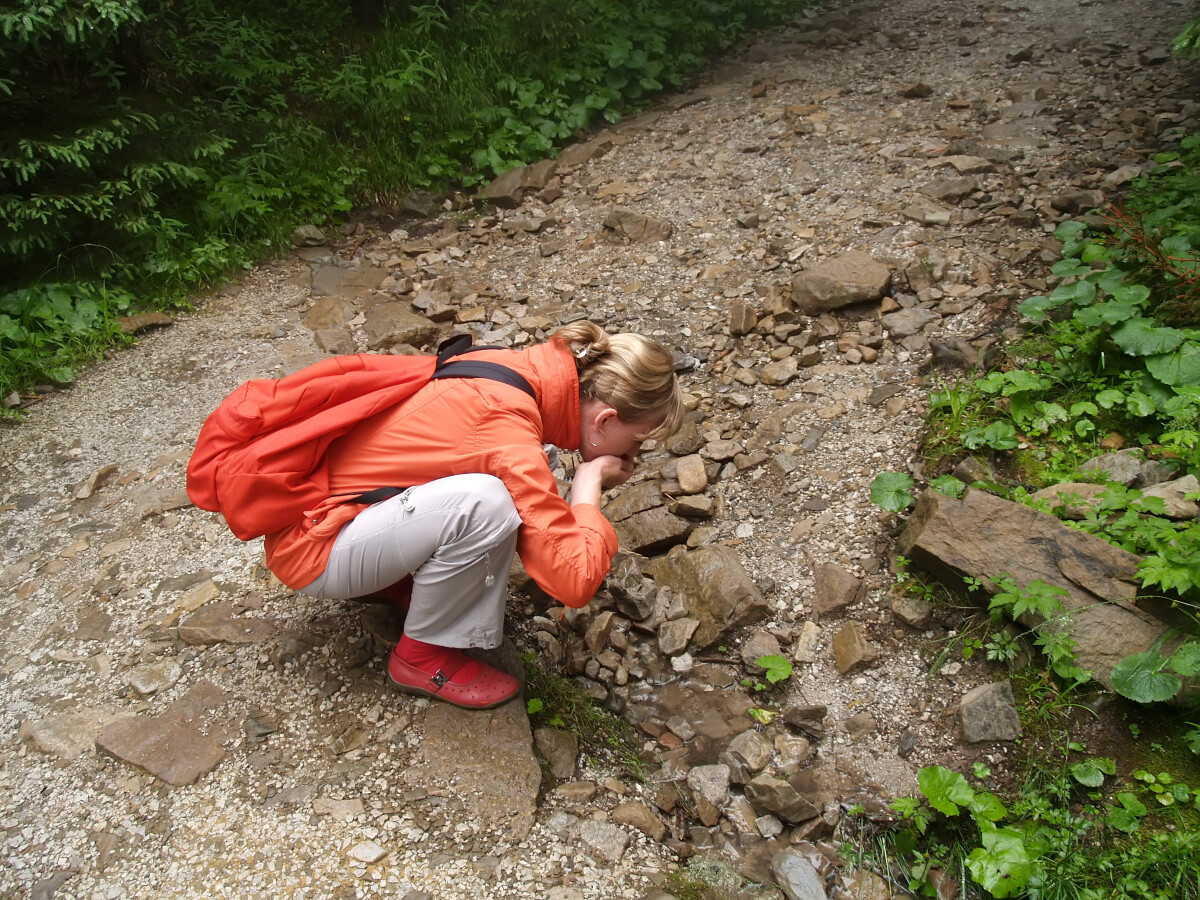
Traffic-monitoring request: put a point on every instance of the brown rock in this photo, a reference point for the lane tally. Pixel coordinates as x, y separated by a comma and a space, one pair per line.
691, 474
217, 624
835, 588
653, 531
851, 647
853, 277
389, 324
641, 817
637, 227
716, 588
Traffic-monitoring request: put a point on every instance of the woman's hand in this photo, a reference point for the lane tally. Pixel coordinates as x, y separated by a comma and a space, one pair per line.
593, 476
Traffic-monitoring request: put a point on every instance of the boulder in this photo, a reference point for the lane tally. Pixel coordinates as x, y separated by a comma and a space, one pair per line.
637, 227
853, 277
989, 713
389, 324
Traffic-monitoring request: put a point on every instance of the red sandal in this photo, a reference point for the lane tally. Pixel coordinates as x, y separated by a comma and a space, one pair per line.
475, 686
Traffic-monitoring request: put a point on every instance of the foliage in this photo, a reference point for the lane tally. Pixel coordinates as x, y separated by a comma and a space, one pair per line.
891, 491
150, 150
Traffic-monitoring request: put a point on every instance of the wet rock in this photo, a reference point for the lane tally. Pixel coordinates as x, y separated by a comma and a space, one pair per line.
561, 749
853, 277
633, 500
777, 797
637, 227
716, 588
835, 588
389, 324
641, 817
851, 647
673, 637
989, 713
653, 531
751, 750
634, 592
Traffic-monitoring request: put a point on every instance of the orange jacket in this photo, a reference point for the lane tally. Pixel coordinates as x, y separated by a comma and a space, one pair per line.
459, 426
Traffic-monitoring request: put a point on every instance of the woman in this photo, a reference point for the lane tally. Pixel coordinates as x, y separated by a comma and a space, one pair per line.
479, 487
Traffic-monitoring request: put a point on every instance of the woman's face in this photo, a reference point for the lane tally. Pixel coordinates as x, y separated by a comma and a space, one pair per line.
602, 433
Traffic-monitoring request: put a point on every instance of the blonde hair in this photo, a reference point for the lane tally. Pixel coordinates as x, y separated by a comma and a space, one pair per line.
631, 373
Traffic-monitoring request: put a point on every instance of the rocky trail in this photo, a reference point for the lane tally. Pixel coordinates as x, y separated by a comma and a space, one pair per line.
841, 208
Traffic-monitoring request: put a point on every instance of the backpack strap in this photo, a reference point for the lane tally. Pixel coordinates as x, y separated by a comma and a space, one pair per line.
448, 367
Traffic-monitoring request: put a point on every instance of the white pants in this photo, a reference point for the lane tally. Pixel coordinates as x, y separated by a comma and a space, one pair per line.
455, 536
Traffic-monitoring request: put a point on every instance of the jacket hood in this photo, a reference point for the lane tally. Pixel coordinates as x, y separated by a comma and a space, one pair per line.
556, 382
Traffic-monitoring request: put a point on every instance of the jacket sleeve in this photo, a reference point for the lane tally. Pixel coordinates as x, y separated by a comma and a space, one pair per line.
566, 550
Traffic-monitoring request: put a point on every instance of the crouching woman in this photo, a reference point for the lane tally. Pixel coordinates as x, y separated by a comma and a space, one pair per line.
478, 487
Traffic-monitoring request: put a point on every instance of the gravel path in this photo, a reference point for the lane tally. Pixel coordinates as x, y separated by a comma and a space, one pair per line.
812, 141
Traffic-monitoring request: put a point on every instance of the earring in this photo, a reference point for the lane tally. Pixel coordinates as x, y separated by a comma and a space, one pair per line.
593, 443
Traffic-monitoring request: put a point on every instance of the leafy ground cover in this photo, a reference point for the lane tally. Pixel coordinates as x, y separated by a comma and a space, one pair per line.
1103, 800
149, 150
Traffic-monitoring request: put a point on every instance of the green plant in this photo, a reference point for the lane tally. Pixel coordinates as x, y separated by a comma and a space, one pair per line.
892, 491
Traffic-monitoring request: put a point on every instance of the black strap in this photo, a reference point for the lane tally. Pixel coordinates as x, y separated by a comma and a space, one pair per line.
448, 367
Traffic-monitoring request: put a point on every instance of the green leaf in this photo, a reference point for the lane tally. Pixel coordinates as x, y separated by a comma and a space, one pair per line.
891, 491
1070, 268
1125, 817
1109, 313
1035, 308
1002, 865
1140, 678
533, 705
1179, 367
1186, 659
988, 805
1109, 398
1091, 772
948, 485
1081, 293
777, 668
1136, 294
945, 789
1141, 337
1001, 436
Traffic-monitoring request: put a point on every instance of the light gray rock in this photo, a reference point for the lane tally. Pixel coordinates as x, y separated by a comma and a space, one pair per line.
606, 840
307, 236
989, 713
673, 636
1172, 495
68, 734
1121, 466
796, 876
758, 644
908, 322
691, 474
750, 749
154, 677
711, 783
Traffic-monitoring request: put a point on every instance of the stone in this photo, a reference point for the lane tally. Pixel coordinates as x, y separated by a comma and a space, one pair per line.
345, 810
853, 277
606, 840
633, 500
673, 637
485, 757
1172, 495
1070, 500
981, 534
691, 474
68, 734
710, 782
637, 227
216, 623
951, 190
851, 647
912, 611
367, 852
653, 531
718, 591
641, 817
155, 677
560, 748
598, 631
989, 713
807, 643
1123, 466
777, 797
781, 372
329, 281
307, 236
328, 313
742, 318
796, 876
756, 645
835, 588
173, 746
577, 791
389, 324
634, 592
751, 750
908, 322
